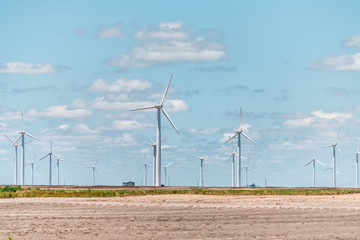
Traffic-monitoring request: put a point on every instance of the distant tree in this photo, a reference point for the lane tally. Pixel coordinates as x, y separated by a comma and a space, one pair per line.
252, 185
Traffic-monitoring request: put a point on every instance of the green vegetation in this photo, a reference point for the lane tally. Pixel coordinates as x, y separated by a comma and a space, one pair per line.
10, 192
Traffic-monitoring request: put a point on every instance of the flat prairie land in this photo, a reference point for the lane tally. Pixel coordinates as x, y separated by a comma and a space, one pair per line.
183, 216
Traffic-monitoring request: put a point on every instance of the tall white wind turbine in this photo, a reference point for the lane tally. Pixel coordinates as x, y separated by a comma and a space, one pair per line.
238, 134
333, 167
22, 136
356, 160
165, 176
314, 161
145, 166
201, 169
93, 172
58, 169
16, 145
159, 107
50, 154
332, 170
153, 144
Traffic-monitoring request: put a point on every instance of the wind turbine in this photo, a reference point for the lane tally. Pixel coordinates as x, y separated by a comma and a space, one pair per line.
238, 134
32, 169
332, 170
246, 174
165, 172
145, 166
50, 154
15, 158
58, 168
159, 107
334, 146
233, 167
22, 136
356, 160
313, 161
93, 172
153, 144
201, 168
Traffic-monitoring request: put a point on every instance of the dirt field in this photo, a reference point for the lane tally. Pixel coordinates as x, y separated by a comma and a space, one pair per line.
182, 217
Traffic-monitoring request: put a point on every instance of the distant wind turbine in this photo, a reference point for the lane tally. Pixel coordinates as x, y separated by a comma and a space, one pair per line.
246, 175
232, 157
333, 167
238, 134
165, 167
332, 170
16, 145
356, 160
159, 107
58, 169
22, 136
93, 172
201, 169
145, 166
313, 161
50, 154
32, 169
153, 144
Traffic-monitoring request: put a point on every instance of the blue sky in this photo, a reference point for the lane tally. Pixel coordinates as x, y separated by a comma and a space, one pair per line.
76, 68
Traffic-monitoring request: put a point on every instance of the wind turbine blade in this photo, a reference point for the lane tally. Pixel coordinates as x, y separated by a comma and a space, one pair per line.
28, 141
320, 162
339, 150
143, 108
229, 159
242, 158
55, 156
205, 155
327, 146
250, 170
17, 140
166, 91
32, 136
22, 118
240, 117
167, 116
338, 136
45, 156
327, 169
150, 140
96, 162
9, 139
309, 162
337, 171
142, 166
248, 138
163, 139
198, 157
231, 138
169, 164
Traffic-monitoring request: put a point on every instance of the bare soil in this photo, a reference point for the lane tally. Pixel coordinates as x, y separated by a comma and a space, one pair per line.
182, 217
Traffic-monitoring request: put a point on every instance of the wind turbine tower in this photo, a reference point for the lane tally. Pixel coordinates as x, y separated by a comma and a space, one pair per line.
145, 166
232, 157
246, 175
165, 167
356, 159
153, 144
22, 136
238, 134
32, 170
201, 169
333, 167
314, 161
50, 154
93, 172
58, 169
159, 107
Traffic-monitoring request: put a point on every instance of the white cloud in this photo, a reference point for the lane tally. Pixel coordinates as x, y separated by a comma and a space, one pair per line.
176, 105
330, 116
120, 85
344, 62
354, 41
64, 127
111, 31
128, 125
26, 68
60, 111
103, 104
206, 131
169, 42
84, 129
303, 122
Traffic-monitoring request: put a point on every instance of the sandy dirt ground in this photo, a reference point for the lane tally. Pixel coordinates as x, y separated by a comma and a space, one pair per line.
182, 217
